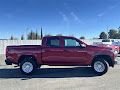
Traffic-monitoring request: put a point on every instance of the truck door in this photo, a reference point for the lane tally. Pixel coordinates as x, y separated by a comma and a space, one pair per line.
74, 53
52, 52
71, 53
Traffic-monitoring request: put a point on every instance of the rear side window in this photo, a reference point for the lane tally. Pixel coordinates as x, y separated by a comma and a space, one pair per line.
55, 42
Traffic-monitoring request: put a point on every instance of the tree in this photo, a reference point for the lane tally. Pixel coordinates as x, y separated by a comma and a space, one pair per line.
112, 33
82, 37
22, 37
15, 38
72, 35
117, 36
11, 38
37, 35
95, 38
103, 35
59, 35
41, 34
119, 29
48, 35
32, 36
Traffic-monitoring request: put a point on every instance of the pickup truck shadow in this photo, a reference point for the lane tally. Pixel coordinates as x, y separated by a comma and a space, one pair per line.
49, 73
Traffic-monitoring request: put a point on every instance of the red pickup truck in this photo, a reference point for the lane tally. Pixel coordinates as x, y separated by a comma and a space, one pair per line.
60, 50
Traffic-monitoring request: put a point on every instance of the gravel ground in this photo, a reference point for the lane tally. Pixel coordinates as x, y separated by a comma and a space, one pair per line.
58, 78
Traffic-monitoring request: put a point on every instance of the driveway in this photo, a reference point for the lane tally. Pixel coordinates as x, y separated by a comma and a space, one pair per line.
58, 78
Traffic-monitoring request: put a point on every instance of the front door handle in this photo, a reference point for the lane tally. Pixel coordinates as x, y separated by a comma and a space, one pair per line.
46, 50
65, 50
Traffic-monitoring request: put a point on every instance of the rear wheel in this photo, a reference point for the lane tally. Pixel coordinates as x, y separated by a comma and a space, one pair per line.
100, 66
28, 66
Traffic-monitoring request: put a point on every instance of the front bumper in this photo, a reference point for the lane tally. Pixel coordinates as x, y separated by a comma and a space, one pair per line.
8, 62
115, 62
116, 53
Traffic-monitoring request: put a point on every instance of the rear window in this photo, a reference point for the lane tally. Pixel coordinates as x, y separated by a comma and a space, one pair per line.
55, 42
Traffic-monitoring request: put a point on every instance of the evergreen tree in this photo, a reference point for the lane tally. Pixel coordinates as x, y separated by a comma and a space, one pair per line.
41, 34
11, 38
22, 37
32, 36
36, 35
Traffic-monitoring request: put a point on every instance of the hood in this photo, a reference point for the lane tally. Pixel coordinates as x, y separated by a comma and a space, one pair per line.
100, 47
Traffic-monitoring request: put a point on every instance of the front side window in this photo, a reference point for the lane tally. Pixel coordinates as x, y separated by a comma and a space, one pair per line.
53, 42
71, 43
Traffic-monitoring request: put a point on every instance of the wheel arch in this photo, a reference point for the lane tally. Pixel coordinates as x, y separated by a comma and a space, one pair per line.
106, 57
30, 57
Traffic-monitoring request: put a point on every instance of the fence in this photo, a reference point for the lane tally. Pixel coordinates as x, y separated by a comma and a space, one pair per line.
4, 43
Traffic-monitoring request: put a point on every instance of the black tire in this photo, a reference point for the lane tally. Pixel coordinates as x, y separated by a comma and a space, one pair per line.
103, 66
32, 66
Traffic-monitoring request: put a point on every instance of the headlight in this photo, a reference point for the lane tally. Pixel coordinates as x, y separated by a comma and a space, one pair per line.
113, 50
110, 49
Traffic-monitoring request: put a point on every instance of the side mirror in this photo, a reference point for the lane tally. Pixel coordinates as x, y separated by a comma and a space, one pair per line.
83, 45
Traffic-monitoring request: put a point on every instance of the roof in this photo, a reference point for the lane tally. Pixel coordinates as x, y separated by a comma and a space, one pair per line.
59, 36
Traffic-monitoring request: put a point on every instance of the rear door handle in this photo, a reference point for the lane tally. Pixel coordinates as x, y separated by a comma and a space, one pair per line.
46, 50
65, 50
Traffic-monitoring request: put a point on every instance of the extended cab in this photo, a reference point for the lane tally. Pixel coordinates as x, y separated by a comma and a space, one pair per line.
60, 50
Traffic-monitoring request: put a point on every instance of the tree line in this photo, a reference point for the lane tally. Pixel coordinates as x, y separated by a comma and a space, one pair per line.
112, 34
31, 36
35, 36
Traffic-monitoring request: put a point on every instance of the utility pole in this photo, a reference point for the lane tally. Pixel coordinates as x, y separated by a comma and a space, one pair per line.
107, 32
26, 32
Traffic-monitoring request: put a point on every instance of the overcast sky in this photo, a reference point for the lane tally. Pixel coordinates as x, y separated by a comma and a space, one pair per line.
78, 17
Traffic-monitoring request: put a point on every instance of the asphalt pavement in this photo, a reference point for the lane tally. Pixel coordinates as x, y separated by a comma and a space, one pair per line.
58, 78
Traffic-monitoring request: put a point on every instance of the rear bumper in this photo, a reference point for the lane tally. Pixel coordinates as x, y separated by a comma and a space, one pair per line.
8, 62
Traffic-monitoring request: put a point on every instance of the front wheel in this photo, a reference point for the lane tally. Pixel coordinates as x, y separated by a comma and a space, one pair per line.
100, 66
28, 66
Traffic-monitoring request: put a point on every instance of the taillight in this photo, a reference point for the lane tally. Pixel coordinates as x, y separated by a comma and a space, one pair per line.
6, 51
